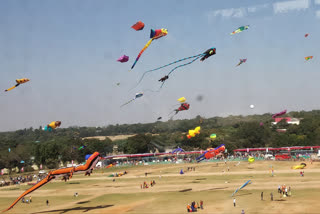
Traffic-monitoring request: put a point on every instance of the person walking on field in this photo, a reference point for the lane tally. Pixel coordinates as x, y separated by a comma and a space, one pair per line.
201, 204
47, 202
234, 202
271, 195
261, 196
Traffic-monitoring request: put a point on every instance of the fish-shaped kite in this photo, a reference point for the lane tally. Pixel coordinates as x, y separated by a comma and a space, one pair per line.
138, 26
123, 59
240, 29
242, 61
18, 81
137, 96
154, 34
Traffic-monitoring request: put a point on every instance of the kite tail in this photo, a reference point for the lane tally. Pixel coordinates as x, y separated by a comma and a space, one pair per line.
185, 64
166, 66
9, 89
143, 49
127, 102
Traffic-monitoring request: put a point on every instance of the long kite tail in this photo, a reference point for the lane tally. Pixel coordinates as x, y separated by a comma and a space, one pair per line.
9, 89
166, 66
143, 49
185, 64
33, 188
127, 102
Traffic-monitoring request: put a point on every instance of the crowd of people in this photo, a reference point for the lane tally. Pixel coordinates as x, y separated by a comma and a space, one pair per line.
145, 184
284, 191
22, 179
193, 207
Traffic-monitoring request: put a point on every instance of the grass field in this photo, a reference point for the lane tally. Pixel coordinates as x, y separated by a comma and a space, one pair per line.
210, 182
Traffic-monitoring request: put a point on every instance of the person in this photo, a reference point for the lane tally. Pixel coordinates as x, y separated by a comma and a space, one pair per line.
271, 195
201, 204
234, 202
228, 168
22, 200
47, 202
30, 199
146, 174
261, 196
242, 212
279, 189
189, 208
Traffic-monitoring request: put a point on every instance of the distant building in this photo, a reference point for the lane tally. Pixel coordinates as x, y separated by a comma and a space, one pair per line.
289, 120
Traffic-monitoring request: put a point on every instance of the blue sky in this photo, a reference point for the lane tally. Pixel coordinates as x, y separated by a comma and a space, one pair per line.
69, 49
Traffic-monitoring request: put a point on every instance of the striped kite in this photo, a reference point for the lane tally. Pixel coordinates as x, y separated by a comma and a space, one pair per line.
18, 81
155, 34
240, 29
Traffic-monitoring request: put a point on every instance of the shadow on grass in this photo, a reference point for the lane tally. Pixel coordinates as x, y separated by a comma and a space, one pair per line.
185, 190
83, 202
83, 209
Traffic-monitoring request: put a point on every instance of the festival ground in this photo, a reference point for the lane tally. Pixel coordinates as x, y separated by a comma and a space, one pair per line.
210, 182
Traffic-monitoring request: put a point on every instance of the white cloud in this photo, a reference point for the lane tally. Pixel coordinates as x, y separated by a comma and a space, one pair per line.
318, 14
316, 1
254, 9
284, 7
226, 13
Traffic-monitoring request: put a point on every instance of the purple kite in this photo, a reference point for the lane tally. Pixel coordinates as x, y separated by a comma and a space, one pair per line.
279, 114
123, 59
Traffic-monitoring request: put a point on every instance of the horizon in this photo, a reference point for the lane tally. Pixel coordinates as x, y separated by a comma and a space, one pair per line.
69, 51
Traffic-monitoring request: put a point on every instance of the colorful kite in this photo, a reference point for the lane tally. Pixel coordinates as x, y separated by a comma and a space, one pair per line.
240, 29
183, 107
52, 125
251, 159
203, 56
301, 166
245, 184
242, 61
67, 173
82, 147
308, 57
137, 96
155, 34
182, 99
138, 26
18, 81
211, 152
279, 114
177, 150
213, 136
123, 59
193, 133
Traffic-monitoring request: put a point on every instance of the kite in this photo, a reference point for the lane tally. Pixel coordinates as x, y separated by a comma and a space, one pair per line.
159, 118
164, 78
241, 61
193, 133
155, 34
183, 107
301, 166
118, 83
52, 125
279, 114
203, 56
82, 147
65, 172
182, 99
177, 150
211, 152
138, 26
213, 136
251, 159
240, 29
18, 81
306, 35
137, 96
308, 57
123, 59
245, 184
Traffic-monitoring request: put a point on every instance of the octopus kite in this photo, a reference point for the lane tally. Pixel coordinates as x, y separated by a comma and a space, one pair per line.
203, 56
155, 34
65, 173
18, 81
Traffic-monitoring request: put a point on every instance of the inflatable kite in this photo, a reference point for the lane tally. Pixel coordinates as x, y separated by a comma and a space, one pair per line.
193, 133
241, 61
66, 174
211, 152
308, 58
213, 136
245, 184
52, 125
138, 26
301, 166
123, 59
183, 107
18, 81
137, 96
240, 29
203, 56
182, 99
279, 114
251, 159
155, 34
